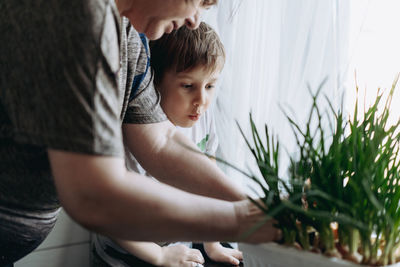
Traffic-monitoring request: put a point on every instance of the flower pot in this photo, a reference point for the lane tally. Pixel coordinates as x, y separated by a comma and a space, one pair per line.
275, 255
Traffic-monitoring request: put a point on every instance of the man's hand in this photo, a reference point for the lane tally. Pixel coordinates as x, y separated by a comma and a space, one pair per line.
250, 216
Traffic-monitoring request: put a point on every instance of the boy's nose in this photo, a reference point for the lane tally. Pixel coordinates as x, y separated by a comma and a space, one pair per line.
194, 21
201, 98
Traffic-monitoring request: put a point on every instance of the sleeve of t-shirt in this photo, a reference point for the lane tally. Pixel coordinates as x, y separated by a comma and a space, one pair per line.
144, 102
64, 92
213, 142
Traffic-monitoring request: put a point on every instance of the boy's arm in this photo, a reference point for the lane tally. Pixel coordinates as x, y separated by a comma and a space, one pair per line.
163, 151
99, 193
148, 251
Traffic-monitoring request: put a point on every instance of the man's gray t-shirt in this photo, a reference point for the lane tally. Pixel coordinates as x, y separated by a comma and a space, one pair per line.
63, 86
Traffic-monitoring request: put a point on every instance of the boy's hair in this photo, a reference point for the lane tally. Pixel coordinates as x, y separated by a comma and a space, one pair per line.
184, 49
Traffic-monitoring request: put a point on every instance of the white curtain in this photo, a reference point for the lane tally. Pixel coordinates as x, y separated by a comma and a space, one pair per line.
375, 50
275, 48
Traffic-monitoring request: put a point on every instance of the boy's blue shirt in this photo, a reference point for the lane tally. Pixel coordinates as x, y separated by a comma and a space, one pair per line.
138, 79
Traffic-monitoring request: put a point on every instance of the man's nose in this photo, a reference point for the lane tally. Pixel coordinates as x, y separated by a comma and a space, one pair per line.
194, 21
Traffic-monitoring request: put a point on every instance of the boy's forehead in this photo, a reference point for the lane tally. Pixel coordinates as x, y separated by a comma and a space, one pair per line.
207, 70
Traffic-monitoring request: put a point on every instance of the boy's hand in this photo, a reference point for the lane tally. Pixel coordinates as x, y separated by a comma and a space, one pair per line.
180, 256
217, 252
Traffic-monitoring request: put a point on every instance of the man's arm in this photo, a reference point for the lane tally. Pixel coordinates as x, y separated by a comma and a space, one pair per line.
99, 193
163, 152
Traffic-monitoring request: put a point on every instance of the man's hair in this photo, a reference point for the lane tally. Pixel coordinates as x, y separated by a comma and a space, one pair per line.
184, 49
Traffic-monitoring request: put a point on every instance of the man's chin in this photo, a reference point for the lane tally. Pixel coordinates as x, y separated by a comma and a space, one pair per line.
154, 35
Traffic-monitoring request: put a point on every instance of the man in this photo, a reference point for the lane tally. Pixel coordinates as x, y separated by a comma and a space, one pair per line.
61, 112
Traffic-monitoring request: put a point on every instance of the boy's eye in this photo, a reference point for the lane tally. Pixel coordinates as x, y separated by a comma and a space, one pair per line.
210, 86
187, 85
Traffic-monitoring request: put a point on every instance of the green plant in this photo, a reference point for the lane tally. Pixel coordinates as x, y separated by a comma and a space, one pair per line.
348, 177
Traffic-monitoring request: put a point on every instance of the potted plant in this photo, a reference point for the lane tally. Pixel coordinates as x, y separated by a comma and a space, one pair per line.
340, 203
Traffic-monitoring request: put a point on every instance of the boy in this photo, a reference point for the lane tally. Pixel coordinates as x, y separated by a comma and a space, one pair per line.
186, 66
